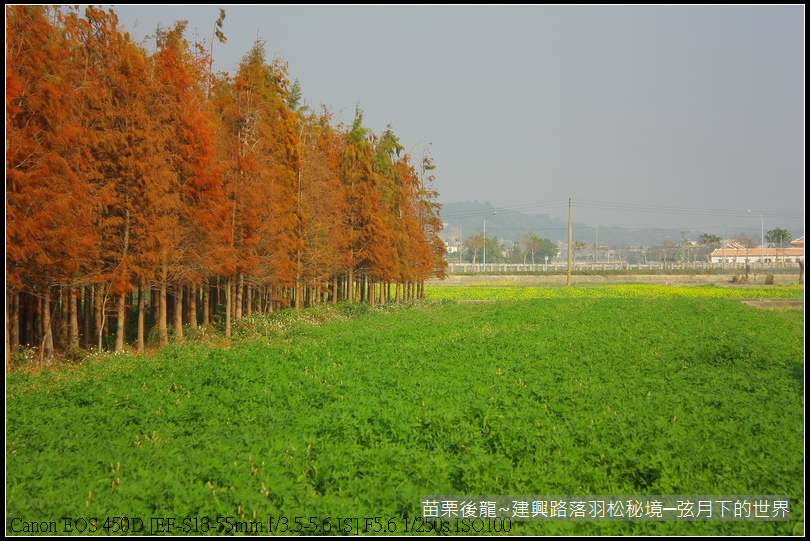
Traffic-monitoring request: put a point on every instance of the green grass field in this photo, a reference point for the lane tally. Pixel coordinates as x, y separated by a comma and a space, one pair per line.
322, 417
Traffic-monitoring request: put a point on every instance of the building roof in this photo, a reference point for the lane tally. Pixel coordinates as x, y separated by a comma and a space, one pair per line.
759, 252
798, 242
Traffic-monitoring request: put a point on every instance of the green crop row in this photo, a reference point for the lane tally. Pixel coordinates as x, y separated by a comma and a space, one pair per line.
361, 416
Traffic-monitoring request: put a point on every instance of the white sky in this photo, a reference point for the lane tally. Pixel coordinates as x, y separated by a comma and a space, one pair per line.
687, 115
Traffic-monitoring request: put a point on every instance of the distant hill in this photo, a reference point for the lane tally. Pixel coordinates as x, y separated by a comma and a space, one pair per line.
464, 219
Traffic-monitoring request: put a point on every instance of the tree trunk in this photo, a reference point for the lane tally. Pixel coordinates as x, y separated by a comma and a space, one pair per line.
99, 315
122, 300
178, 313
106, 321
162, 323
238, 306
31, 304
62, 338
170, 306
120, 318
13, 320
185, 288
299, 293
228, 308
206, 301
154, 304
191, 317
87, 317
141, 341
46, 350
73, 327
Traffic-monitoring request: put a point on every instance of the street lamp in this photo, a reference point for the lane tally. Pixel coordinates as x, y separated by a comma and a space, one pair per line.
762, 238
485, 240
460, 242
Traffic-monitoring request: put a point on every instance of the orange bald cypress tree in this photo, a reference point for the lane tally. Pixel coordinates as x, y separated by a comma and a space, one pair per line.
258, 152
125, 152
320, 208
121, 174
50, 236
391, 165
179, 72
418, 241
368, 232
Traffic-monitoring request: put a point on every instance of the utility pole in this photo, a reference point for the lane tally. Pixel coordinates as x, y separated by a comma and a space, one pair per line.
570, 244
762, 238
485, 240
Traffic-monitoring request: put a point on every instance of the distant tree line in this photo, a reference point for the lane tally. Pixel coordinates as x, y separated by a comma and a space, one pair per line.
531, 250
139, 185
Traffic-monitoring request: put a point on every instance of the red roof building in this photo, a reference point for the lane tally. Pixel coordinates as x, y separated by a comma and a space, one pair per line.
738, 256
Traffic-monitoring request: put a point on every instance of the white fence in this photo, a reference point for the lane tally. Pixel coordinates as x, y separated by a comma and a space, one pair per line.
454, 267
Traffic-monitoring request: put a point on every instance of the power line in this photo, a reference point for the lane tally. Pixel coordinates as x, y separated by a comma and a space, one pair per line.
625, 207
549, 205
659, 209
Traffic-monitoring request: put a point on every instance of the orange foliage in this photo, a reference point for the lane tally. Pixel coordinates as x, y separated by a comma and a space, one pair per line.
125, 169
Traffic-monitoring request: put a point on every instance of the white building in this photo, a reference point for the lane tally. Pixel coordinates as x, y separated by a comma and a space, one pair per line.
734, 255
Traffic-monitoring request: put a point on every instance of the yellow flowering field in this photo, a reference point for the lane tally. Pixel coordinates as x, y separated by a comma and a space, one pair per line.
625, 291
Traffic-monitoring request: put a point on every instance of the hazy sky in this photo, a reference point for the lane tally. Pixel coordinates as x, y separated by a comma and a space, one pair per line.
686, 115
